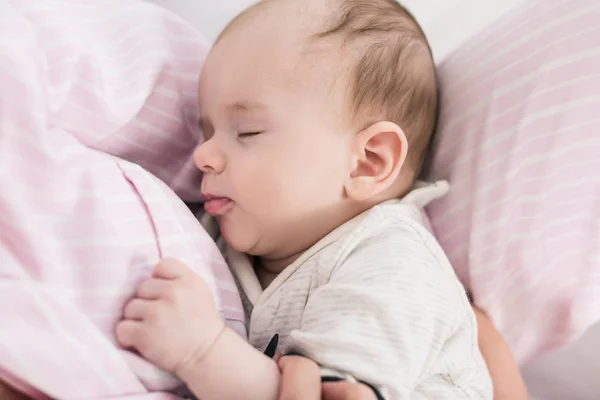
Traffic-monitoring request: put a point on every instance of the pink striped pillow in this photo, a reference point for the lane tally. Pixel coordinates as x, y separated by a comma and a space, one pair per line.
519, 141
83, 83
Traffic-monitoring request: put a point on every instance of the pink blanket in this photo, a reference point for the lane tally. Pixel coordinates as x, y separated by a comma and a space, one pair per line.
86, 85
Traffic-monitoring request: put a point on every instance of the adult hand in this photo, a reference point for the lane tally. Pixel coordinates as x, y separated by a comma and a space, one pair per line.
301, 380
347, 391
506, 377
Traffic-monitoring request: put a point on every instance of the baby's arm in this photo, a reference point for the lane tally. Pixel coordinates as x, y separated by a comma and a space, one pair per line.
173, 322
232, 369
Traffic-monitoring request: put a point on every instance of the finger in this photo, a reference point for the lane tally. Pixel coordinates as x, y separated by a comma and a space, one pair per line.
152, 289
300, 379
137, 309
344, 390
277, 356
127, 332
169, 268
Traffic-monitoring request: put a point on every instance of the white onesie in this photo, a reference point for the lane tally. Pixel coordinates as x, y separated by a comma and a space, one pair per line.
376, 301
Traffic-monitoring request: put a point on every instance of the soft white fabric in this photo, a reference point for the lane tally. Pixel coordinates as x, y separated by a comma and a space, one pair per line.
377, 301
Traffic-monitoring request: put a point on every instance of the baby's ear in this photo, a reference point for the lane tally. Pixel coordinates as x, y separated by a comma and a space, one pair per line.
378, 155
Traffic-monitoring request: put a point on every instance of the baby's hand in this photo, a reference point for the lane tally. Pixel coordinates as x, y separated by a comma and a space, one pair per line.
173, 320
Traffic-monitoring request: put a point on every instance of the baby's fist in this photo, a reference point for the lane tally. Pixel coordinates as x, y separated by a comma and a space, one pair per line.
173, 320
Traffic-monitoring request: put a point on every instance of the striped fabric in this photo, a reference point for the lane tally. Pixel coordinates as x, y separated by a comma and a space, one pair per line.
520, 144
86, 85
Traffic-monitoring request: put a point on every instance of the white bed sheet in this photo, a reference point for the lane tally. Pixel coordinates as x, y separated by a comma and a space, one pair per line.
571, 373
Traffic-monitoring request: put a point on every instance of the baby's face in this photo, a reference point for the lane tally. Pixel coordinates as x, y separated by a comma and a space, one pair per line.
277, 151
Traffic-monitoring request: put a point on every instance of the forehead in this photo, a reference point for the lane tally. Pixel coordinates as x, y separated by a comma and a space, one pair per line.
270, 54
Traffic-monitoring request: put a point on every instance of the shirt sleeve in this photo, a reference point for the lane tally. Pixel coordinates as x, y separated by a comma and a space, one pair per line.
396, 318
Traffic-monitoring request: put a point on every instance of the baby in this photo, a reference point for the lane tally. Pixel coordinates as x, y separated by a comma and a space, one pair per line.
317, 115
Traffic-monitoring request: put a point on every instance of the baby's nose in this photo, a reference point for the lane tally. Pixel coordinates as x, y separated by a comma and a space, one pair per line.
208, 158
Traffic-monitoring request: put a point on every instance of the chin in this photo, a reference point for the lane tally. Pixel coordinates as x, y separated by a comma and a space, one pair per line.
237, 240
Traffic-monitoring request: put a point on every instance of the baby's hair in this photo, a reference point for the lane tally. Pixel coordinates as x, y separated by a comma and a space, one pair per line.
393, 76
390, 70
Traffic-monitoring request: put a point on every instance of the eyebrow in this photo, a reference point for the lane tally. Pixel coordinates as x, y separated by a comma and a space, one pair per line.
238, 106
245, 106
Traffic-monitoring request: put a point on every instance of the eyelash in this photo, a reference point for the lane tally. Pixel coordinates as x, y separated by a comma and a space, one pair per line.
245, 135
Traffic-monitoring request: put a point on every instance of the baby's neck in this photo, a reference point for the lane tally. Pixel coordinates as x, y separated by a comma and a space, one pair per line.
268, 269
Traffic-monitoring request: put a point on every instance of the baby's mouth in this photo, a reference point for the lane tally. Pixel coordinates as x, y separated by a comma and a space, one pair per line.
218, 206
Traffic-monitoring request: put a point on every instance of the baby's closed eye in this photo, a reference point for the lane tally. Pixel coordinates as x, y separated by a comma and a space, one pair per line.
245, 135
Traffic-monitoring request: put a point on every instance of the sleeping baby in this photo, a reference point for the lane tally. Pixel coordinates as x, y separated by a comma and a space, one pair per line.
317, 115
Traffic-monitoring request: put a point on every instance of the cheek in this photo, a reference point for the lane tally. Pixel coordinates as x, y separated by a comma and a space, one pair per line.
327, 161
314, 173
289, 175
268, 180
258, 178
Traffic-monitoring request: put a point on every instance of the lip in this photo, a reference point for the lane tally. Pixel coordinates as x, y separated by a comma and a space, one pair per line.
217, 205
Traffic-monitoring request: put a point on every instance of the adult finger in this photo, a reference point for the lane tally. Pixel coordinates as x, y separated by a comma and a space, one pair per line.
300, 379
344, 390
